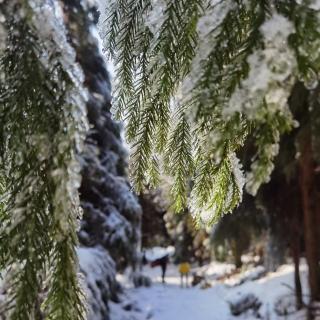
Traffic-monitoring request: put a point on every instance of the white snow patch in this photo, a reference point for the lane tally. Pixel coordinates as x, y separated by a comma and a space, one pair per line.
158, 253
99, 271
156, 16
237, 172
169, 301
271, 72
315, 4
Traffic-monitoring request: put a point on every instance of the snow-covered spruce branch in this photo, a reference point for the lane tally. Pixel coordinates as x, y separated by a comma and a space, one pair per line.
43, 125
149, 101
232, 65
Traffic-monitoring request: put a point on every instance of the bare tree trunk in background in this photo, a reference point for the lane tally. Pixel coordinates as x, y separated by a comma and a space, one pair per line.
292, 206
295, 249
236, 252
309, 199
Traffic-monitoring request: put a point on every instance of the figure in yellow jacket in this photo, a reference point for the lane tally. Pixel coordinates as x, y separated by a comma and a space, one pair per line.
184, 269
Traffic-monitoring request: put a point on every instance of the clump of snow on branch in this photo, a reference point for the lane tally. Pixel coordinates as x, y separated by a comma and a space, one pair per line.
253, 184
2, 32
48, 19
237, 172
315, 4
155, 17
208, 25
271, 73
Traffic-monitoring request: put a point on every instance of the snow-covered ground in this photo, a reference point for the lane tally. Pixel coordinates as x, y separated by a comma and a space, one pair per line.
170, 302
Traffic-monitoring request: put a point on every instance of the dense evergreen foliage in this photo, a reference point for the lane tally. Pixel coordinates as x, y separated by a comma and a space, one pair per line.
196, 80
42, 130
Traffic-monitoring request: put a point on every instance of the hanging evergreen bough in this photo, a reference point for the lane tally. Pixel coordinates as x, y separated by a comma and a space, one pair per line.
147, 104
230, 65
43, 125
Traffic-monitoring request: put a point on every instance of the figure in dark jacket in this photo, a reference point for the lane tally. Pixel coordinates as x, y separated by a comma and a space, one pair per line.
162, 262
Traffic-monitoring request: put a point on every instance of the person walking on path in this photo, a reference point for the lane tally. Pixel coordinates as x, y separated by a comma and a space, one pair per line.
184, 269
162, 262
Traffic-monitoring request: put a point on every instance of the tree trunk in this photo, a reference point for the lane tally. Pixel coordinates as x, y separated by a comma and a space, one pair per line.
295, 248
292, 206
295, 238
309, 199
236, 252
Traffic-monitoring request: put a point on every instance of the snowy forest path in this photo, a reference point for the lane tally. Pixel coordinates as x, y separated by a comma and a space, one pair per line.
171, 302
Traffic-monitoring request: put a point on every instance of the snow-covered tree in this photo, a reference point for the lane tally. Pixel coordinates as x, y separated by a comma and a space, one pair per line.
110, 228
